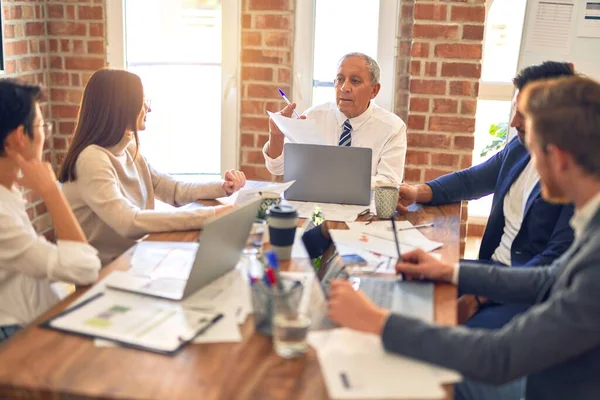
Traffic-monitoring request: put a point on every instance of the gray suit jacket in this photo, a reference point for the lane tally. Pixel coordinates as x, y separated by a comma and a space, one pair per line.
556, 343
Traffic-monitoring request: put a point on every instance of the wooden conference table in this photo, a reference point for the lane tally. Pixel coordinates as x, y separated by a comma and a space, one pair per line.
42, 364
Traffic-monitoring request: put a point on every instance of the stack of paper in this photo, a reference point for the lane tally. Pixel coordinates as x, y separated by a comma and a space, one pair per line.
247, 194
355, 366
411, 238
331, 212
298, 130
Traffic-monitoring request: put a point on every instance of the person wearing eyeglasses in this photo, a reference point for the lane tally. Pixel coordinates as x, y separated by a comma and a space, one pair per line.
111, 186
28, 262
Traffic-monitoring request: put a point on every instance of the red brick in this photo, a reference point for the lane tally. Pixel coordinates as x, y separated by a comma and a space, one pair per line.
464, 142
264, 56
461, 70
468, 13
9, 31
444, 159
96, 29
435, 12
84, 63
64, 111
414, 157
455, 50
75, 80
246, 21
420, 49
264, 91
466, 161
261, 140
66, 128
412, 175
415, 68
428, 140
407, 12
422, 86
78, 46
96, 47
449, 32
434, 173
270, 21
58, 28
431, 68
251, 38
275, 106
59, 143
247, 140
253, 107
468, 107
278, 39
16, 48
451, 124
53, 45
284, 76
419, 104
464, 88
253, 157
473, 32
255, 124
56, 62
270, 5
445, 106
256, 173
28, 64
257, 73
416, 122
10, 66
70, 12
34, 29
55, 11
90, 12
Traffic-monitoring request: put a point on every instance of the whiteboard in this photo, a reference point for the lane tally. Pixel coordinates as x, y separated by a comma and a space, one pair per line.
584, 52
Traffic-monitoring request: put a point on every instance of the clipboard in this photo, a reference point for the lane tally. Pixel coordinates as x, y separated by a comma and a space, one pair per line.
163, 333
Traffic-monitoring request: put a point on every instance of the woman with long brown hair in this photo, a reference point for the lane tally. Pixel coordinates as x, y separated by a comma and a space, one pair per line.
110, 185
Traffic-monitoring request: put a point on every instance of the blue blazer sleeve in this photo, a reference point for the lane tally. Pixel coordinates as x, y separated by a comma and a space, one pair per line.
560, 240
468, 184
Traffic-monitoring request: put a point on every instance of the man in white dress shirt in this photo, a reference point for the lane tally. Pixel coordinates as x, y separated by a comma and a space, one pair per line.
353, 120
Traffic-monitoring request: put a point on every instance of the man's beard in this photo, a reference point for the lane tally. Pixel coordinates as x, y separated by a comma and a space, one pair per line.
551, 193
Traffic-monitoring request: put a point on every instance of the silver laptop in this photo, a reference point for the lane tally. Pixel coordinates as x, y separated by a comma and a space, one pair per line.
219, 250
413, 299
328, 174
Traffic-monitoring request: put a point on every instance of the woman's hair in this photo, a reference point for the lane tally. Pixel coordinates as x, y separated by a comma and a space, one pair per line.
111, 103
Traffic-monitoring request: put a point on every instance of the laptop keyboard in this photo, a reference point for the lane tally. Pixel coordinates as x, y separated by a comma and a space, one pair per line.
380, 291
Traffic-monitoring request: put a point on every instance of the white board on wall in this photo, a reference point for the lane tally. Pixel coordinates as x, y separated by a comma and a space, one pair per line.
583, 52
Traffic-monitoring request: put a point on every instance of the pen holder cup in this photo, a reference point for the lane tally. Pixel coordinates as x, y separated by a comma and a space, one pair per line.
269, 301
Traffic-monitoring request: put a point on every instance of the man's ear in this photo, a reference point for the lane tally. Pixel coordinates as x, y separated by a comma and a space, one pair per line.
16, 139
376, 89
562, 159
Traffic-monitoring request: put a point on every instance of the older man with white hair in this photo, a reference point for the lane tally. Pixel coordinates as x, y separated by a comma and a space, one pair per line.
353, 120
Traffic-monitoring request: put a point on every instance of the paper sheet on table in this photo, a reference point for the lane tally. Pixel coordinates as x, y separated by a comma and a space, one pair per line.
383, 229
245, 195
298, 130
163, 259
331, 212
370, 372
358, 240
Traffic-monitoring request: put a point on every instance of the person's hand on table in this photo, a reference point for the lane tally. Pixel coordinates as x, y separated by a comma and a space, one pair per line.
407, 196
234, 181
417, 264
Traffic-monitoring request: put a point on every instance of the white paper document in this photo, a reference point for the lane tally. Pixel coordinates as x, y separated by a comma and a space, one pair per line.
355, 366
298, 130
163, 259
245, 195
331, 212
588, 24
550, 24
383, 229
357, 240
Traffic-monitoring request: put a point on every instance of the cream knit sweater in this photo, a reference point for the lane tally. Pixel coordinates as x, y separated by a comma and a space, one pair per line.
113, 198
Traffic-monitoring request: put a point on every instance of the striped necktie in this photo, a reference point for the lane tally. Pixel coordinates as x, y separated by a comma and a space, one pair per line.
346, 138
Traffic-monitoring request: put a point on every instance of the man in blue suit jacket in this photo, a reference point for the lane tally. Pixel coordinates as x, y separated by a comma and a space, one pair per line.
523, 229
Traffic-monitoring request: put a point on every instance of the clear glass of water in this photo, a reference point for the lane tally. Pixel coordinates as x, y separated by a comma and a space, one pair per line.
290, 323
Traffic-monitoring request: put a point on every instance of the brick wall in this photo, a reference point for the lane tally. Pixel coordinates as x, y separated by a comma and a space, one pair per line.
56, 44
266, 64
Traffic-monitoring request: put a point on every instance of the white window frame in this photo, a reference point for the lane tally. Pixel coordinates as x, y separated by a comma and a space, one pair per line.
304, 40
230, 77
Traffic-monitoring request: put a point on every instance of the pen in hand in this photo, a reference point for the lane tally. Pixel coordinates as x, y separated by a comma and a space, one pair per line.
282, 93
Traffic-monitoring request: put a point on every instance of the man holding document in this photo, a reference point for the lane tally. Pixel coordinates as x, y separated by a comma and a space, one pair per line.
556, 343
353, 120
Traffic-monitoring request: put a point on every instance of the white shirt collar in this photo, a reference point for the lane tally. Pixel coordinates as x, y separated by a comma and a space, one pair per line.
356, 122
12, 195
582, 217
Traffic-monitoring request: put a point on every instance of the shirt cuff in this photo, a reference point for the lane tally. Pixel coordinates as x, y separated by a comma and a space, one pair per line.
455, 274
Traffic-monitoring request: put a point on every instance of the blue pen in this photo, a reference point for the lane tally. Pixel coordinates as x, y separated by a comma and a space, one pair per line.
282, 93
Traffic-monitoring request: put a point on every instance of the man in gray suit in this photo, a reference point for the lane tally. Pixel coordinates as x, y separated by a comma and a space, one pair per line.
556, 343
